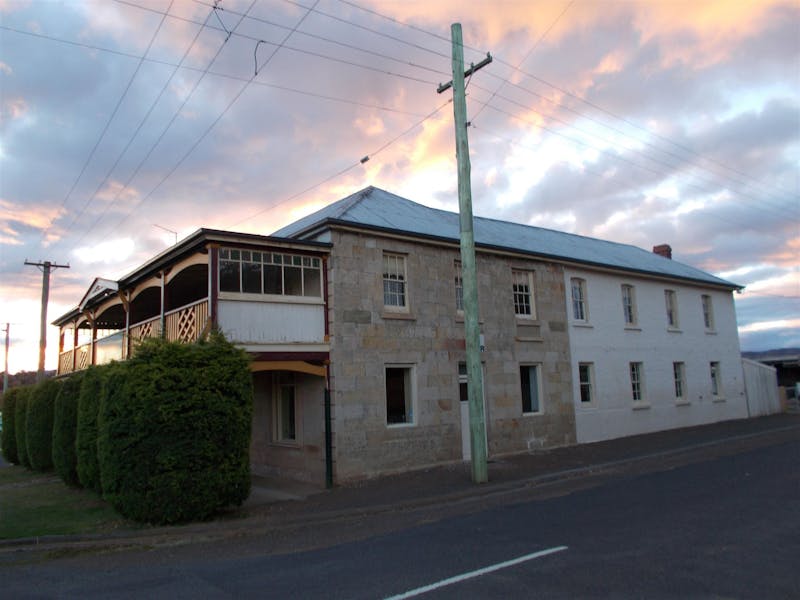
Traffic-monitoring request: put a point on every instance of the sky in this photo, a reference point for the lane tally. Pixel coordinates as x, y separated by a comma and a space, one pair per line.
125, 125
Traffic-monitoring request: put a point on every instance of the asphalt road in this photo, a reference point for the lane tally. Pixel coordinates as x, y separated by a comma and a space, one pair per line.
726, 527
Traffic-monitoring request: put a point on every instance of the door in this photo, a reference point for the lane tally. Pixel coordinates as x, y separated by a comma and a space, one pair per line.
466, 443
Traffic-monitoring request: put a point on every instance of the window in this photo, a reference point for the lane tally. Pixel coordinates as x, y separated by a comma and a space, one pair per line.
579, 312
671, 302
637, 382
524, 305
716, 383
285, 410
708, 312
399, 398
463, 391
531, 390
585, 380
629, 304
250, 272
394, 281
679, 376
459, 282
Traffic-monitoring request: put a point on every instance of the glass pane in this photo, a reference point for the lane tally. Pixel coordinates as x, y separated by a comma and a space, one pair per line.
311, 283
251, 278
293, 281
229, 276
273, 280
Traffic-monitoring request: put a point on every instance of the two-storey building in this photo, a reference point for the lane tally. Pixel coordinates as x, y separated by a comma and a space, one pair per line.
354, 319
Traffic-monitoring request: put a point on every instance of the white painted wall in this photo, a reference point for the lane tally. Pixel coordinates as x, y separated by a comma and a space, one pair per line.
248, 322
610, 346
761, 385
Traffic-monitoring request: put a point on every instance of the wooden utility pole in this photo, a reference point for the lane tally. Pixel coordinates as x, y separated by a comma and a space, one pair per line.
477, 416
46, 267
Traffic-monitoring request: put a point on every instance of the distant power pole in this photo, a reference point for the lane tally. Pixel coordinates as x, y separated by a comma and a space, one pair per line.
45, 267
477, 416
5, 370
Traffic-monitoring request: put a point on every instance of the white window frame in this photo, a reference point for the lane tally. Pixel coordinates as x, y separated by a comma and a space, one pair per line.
310, 268
716, 380
523, 293
580, 306
409, 393
586, 383
395, 275
629, 309
671, 307
284, 381
708, 311
636, 371
679, 382
537, 369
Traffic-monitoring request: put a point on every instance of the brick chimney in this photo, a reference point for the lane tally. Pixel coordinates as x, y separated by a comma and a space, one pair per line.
664, 250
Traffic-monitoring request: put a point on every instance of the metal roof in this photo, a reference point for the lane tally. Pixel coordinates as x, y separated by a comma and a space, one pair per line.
377, 209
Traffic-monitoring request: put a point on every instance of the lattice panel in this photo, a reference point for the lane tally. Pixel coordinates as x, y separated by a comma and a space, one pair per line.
187, 325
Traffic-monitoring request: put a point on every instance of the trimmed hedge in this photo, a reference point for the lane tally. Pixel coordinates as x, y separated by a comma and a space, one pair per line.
174, 431
65, 421
92, 384
9, 441
20, 424
39, 424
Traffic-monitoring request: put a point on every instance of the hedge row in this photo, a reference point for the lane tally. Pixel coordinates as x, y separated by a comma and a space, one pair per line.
164, 437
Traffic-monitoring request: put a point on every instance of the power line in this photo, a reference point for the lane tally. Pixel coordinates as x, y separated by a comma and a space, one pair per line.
212, 72
158, 140
350, 167
298, 50
108, 122
576, 97
222, 114
657, 161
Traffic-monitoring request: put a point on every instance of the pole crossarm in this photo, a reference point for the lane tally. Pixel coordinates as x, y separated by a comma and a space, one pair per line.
472, 68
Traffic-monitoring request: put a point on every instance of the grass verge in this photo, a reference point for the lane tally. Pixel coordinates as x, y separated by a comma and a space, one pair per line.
35, 504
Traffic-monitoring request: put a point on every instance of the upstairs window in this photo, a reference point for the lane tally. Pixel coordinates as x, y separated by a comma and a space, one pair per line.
522, 287
629, 304
272, 273
579, 312
708, 312
394, 281
671, 304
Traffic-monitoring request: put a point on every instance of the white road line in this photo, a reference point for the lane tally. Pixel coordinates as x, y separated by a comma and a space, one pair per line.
477, 573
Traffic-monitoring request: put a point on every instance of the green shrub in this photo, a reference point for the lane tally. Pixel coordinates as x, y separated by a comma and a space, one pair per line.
20, 427
65, 421
9, 441
39, 424
91, 390
174, 431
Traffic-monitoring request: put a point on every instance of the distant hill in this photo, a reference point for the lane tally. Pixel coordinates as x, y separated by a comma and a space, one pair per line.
22, 378
778, 353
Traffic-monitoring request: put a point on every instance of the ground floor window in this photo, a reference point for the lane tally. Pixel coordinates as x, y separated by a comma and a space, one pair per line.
285, 409
399, 395
679, 375
716, 385
585, 378
531, 389
637, 382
